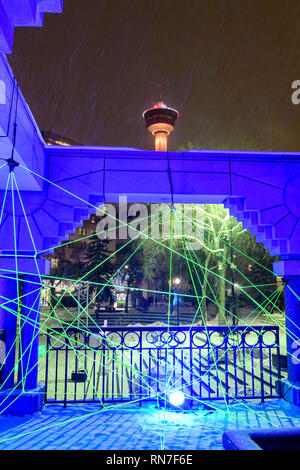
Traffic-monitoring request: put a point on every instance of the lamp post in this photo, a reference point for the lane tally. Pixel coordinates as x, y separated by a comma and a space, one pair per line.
177, 281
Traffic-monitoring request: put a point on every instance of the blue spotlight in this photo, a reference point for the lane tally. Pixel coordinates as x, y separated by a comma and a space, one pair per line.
176, 398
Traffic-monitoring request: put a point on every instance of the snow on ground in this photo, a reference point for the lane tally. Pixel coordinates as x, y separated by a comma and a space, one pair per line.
119, 427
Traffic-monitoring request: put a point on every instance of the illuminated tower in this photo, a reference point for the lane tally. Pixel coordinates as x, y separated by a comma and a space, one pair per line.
160, 121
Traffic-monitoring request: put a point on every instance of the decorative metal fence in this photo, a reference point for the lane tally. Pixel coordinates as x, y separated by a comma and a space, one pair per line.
141, 363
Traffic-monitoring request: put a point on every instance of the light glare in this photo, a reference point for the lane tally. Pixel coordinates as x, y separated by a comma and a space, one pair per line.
176, 398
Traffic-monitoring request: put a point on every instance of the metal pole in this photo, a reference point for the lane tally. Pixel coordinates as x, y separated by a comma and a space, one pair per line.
87, 308
78, 305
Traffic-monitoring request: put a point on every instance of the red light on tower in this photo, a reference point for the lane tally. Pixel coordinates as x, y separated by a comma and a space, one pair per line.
160, 121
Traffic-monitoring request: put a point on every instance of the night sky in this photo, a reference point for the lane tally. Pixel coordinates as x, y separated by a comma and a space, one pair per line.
226, 65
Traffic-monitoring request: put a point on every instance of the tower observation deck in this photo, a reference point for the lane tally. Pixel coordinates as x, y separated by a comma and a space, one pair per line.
160, 121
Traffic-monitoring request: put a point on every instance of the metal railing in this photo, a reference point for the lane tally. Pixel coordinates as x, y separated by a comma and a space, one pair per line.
140, 363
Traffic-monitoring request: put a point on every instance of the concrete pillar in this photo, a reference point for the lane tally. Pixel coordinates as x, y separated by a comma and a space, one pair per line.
29, 327
290, 270
8, 323
292, 309
27, 397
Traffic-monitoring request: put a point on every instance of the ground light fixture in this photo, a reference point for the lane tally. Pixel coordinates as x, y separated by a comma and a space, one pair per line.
176, 398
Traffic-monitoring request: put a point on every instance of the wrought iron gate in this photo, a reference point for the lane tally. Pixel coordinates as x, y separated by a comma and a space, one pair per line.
138, 363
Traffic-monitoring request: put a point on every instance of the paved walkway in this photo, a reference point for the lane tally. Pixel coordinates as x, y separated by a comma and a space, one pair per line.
86, 427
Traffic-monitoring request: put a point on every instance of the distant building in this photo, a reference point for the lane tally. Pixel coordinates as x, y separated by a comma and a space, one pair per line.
54, 139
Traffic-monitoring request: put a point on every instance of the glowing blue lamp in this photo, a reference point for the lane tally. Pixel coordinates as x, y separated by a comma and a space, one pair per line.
176, 398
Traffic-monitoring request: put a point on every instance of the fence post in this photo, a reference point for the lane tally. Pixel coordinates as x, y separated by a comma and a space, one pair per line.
261, 367
47, 366
66, 372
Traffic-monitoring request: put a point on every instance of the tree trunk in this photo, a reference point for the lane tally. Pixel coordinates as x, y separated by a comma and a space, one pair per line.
203, 311
127, 300
204, 292
221, 295
53, 299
